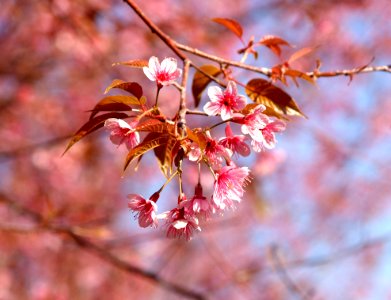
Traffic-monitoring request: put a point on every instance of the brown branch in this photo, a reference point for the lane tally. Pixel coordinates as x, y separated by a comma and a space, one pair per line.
264, 71
350, 72
96, 250
155, 29
11, 154
182, 104
281, 271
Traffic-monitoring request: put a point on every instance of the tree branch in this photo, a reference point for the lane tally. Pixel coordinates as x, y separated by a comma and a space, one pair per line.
94, 249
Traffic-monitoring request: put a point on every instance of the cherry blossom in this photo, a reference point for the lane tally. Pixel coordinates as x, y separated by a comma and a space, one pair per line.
198, 205
229, 184
181, 224
145, 209
254, 121
165, 73
224, 103
268, 139
235, 142
122, 132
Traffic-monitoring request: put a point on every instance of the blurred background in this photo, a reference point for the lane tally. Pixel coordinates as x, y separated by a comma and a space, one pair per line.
314, 223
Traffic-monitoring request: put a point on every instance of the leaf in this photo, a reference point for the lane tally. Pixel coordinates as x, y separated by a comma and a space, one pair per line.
232, 25
198, 137
130, 87
118, 102
274, 43
92, 125
135, 63
200, 81
296, 73
157, 126
166, 153
145, 146
300, 53
274, 98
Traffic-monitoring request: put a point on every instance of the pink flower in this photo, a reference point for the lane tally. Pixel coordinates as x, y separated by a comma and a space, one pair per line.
268, 139
194, 153
145, 209
235, 142
216, 153
229, 184
180, 224
165, 73
122, 132
254, 121
224, 103
198, 205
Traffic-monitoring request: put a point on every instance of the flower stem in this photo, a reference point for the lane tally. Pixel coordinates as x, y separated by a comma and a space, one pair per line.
168, 181
159, 87
217, 124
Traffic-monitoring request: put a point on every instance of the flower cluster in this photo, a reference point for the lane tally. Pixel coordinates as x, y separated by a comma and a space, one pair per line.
255, 130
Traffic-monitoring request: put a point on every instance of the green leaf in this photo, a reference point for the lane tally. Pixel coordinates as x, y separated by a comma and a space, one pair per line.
92, 125
200, 81
277, 101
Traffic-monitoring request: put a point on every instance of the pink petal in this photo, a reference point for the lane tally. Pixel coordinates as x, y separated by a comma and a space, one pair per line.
154, 65
113, 124
151, 76
168, 65
215, 93
231, 88
212, 108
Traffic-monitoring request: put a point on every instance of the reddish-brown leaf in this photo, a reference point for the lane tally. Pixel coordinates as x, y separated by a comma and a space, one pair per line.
198, 137
166, 153
92, 125
147, 144
232, 25
298, 74
200, 81
300, 53
274, 98
135, 63
157, 126
118, 102
274, 43
131, 87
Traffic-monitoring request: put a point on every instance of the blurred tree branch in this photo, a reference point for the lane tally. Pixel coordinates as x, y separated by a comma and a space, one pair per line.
43, 224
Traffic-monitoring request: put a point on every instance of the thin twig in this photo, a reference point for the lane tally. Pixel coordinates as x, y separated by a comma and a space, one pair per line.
284, 276
155, 29
14, 153
182, 102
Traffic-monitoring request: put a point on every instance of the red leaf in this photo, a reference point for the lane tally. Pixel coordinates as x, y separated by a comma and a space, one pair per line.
300, 53
274, 43
131, 87
166, 153
118, 102
157, 126
232, 25
145, 146
274, 98
200, 81
92, 125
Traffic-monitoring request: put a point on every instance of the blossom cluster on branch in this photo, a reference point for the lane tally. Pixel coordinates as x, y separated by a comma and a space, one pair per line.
247, 125
196, 145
